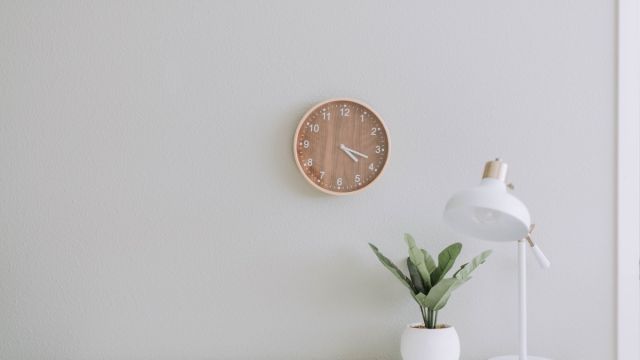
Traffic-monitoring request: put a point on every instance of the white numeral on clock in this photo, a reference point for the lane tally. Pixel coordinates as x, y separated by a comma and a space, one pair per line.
374, 131
371, 167
306, 144
326, 115
357, 178
321, 174
339, 181
345, 111
309, 162
314, 128
378, 149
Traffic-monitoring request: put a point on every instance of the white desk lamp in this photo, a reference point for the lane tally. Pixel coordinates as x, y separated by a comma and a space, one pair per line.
490, 212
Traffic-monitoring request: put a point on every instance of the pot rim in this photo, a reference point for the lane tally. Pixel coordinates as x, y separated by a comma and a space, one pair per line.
414, 326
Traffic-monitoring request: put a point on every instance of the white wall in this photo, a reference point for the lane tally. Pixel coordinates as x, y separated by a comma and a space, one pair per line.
151, 209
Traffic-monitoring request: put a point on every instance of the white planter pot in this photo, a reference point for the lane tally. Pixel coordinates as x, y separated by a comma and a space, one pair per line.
430, 344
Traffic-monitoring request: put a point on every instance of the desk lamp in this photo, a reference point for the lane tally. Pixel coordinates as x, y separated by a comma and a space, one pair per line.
490, 212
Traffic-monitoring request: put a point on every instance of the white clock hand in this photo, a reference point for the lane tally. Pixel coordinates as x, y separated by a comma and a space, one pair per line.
355, 152
346, 151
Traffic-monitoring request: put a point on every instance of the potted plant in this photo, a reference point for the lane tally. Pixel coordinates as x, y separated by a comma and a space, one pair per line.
431, 289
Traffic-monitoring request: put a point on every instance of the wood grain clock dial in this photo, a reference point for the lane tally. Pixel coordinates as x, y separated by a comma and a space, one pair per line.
341, 146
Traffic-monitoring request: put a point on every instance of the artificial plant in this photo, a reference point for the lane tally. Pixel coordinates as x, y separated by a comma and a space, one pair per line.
426, 281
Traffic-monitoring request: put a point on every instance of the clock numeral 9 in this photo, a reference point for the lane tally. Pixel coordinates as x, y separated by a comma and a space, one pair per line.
314, 128
306, 144
345, 111
339, 181
357, 178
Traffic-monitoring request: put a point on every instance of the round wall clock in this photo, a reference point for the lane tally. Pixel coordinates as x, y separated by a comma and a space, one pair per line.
341, 146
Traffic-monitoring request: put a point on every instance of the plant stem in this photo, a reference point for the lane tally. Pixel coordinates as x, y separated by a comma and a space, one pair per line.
424, 316
429, 324
435, 319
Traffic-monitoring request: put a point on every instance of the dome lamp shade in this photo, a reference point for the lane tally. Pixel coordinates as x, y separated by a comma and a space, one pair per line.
488, 211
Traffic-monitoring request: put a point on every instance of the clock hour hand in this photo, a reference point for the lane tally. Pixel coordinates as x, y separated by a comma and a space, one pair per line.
346, 151
354, 152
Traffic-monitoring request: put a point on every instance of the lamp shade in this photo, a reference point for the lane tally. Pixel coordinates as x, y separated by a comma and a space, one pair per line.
488, 212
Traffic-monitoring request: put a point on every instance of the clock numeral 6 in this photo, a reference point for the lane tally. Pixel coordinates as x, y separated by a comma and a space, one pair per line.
357, 178
314, 128
339, 181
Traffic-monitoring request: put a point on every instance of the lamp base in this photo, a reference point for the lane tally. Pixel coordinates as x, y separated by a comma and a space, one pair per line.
516, 357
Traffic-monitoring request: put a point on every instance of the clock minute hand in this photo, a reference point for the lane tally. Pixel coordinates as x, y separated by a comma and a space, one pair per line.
356, 152
347, 151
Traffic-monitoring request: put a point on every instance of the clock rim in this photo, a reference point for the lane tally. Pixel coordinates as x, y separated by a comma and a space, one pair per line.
295, 142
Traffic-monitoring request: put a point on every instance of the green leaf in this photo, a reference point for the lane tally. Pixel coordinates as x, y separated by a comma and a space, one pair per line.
445, 261
421, 299
392, 268
428, 260
440, 293
416, 280
465, 270
417, 258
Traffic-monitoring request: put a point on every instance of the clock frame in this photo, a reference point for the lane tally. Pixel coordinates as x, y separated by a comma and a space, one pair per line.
341, 146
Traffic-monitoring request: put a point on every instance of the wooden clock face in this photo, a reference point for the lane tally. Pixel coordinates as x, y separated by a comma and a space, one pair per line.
341, 146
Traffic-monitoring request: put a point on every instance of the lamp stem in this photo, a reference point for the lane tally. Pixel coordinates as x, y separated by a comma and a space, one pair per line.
522, 297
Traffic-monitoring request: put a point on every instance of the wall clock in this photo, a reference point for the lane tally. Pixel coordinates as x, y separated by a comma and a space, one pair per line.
341, 146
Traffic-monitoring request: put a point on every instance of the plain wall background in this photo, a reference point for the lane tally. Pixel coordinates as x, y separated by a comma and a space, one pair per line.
150, 207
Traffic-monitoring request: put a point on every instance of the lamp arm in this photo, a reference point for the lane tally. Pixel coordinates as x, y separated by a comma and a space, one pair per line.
543, 261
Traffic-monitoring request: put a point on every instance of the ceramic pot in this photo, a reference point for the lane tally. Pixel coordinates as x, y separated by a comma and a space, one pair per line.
430, 344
